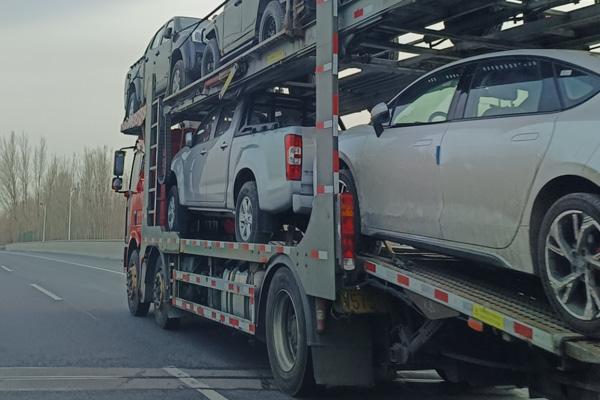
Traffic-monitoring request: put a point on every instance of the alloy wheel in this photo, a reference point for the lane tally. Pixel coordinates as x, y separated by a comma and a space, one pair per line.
132, 281
573, 263
270, 28
158, 294
245, 219
176, 85
171, 213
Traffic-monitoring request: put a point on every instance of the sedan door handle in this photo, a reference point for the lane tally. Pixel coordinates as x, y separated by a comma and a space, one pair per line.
203, 152
224, 145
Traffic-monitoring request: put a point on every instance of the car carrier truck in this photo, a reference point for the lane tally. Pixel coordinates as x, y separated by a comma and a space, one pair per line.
329, 314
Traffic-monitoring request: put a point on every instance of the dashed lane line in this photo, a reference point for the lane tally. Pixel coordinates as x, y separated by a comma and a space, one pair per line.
6, 268
46, 292
71, 263
195, 384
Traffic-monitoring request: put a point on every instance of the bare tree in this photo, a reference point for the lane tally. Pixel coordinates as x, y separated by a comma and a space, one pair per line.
9, 190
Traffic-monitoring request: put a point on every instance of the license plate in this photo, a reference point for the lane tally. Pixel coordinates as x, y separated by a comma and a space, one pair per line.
354, 301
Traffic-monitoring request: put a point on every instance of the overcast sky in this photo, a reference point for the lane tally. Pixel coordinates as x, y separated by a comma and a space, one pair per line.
63, 65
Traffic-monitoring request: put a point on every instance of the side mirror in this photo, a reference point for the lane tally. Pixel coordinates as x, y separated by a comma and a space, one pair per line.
117, 184
168, 33
380, 114
189, 139
119, 163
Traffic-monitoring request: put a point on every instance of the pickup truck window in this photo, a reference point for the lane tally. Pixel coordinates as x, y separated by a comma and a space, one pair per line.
225, 120
158, 38
284, 112
205, 129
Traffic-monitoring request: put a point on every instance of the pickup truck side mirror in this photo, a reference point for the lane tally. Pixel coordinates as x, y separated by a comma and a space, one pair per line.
380, 114
189, 139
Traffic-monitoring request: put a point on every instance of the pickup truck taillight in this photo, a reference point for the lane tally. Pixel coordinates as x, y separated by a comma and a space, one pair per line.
293, 157
347, 221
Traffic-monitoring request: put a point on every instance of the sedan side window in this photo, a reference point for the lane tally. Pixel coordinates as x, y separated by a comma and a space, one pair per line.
506, 87
576, 86
427, 101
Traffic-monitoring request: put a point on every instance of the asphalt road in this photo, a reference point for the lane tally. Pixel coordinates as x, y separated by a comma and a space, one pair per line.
66, 333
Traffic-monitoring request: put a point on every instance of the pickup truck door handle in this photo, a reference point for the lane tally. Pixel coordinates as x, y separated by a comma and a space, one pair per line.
224, 145
157, 52
203, 152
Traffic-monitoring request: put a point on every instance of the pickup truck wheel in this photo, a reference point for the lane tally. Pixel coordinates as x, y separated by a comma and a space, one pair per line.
161, 298
250, 220
211, 58
347, 185
177, 77
177, 215
569, 260
136, 307
272, 21
287, 345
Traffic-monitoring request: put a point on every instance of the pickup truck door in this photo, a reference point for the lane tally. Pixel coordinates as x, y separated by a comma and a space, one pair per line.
215, 174
162, 64
193, 164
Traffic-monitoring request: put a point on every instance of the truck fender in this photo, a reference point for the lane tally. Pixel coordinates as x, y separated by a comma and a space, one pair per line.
250, 159
283, 261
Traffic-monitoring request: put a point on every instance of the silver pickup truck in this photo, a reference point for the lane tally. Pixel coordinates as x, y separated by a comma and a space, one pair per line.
253, 159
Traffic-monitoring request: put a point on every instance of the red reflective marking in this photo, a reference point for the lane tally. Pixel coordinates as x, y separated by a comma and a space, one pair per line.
336, 104
200, 311
218, 244
252, 328
234, 322
251, 291
359, 13
335, 43
279, 249
222, 318
319, 69
441, 296
321, 189
262, 248
320, 125
174, 302
214, 315
321, 2
245, 246
371, 267
230, 246
213, 283
251, 301
523, 330
231, 287
403, 280
186, 277
314, 253
336, 161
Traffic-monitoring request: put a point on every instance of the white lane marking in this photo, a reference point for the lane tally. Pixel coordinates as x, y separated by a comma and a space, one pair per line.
193, 383
6, 268
46, 292
72, 263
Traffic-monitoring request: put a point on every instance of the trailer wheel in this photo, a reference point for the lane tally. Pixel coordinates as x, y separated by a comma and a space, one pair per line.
177, 215
250, 220
177, 81
271, 22
211, 58
161, 298
569, 260
136, 306
287, 345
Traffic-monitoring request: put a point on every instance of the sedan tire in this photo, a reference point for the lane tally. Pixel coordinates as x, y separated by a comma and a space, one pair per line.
569, 260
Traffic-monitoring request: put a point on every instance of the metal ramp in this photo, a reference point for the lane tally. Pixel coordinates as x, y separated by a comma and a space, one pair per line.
446, 282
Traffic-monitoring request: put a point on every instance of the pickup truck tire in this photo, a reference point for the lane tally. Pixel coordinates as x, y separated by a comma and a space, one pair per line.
136, 306
569, 260
287, 344
177, 215
177, 81
211, 58
161, 298
250, 221
271, 22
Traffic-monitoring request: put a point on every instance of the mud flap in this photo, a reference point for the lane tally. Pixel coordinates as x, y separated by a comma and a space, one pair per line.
343, 355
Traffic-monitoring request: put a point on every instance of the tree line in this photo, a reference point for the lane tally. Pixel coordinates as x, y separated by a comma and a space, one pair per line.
38, 188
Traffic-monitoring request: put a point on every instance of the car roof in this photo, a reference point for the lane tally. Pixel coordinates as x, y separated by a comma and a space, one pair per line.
584, 59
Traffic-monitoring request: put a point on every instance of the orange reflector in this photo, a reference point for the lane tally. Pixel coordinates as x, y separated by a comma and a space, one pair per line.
475, 325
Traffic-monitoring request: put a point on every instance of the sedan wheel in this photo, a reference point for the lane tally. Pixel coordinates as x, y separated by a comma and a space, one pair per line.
569, 260
573, 263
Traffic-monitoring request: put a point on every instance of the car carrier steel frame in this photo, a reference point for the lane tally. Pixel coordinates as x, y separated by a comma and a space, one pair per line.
507, 331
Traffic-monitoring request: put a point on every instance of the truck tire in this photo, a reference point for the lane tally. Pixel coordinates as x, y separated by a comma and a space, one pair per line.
177, 215
251, 222
136, 306
161, 298
287, 345
569, 260
271, 22
211, 58
178, 78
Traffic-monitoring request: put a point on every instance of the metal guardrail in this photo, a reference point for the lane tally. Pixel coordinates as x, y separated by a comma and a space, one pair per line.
108, 249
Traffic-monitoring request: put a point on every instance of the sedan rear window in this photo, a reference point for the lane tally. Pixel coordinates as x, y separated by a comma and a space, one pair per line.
575, 86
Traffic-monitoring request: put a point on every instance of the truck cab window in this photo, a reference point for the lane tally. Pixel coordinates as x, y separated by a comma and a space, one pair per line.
205, 129
225, 120
137, 170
